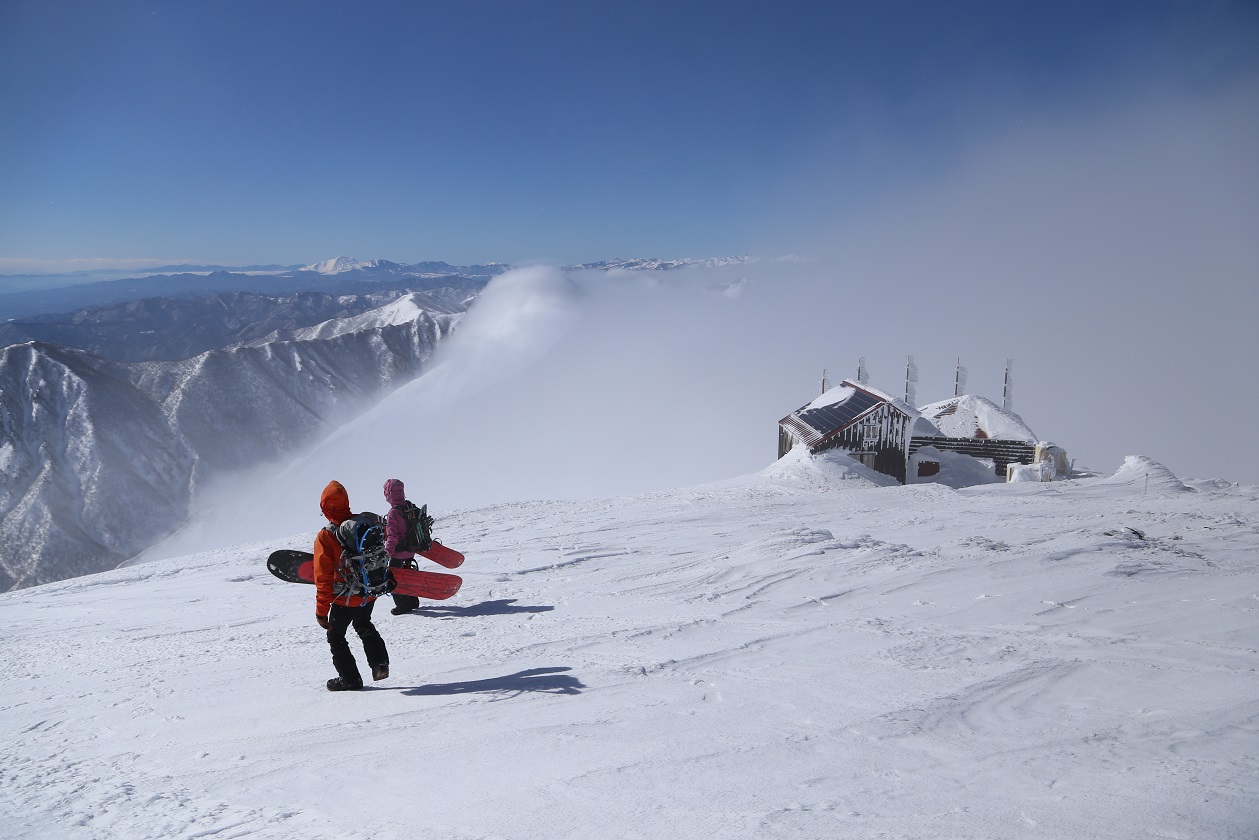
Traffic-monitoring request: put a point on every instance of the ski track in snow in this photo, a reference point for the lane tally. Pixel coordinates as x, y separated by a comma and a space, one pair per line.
770, 656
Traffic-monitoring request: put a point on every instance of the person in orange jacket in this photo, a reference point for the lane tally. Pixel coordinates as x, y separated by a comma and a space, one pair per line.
335, 609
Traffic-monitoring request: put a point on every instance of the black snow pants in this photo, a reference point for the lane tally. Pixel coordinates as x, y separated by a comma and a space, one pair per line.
340, 618
404, 602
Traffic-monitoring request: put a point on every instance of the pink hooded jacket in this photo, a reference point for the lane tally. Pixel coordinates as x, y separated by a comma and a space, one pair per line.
395, 522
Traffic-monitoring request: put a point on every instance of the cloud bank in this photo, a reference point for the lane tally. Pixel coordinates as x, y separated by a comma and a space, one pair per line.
1114, 260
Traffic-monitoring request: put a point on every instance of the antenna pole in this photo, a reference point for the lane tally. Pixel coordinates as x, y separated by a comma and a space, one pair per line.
911, 383
959, 382
1008, 400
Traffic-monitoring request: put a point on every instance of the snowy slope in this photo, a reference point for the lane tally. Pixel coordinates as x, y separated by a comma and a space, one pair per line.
798, 653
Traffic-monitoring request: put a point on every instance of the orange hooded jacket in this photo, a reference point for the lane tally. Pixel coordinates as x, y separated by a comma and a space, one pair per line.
335, 504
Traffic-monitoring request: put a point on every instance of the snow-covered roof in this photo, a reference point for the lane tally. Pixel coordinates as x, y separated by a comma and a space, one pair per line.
838, 408
968, 415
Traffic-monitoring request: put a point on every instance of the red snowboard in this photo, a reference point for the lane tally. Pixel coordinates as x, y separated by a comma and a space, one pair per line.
299, 567
443, 556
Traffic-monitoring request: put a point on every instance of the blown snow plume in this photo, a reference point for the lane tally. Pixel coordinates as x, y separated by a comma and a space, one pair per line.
518, 317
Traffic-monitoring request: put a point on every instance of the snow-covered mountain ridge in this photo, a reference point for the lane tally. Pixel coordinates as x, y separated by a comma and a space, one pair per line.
101, 459
797, 653
170, 328
339, 265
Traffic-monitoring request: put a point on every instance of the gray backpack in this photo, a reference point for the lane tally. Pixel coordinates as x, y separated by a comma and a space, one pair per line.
364, 563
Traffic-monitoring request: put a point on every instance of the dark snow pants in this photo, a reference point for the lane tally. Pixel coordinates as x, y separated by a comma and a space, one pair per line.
404, 602
340, 618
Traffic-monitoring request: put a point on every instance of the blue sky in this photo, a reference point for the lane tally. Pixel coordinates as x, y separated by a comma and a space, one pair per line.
244, 132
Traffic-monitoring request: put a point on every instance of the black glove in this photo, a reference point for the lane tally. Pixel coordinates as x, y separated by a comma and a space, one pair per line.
323, 621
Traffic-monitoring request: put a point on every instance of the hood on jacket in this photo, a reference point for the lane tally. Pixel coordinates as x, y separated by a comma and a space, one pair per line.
335, 503
395, 493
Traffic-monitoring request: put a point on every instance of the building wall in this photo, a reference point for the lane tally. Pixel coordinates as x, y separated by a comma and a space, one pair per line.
890, 442
786, 440
1000, 452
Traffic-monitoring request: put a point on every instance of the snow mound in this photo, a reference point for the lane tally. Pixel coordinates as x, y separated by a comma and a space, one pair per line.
1141, 473
956, 470
968, 415
824, 469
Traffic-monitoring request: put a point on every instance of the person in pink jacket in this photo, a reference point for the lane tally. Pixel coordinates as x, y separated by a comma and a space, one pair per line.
395, 533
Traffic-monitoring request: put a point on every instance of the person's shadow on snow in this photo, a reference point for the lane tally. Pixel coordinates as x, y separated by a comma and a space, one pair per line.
506, 606
546, 680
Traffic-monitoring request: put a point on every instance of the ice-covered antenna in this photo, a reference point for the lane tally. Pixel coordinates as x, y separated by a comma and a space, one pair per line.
911, 383
959, 381
1008, 400
863, 375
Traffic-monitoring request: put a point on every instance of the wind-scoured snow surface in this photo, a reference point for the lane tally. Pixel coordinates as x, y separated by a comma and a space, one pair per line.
798, 653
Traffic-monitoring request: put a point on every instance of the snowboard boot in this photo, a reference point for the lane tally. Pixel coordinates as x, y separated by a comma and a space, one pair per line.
338, 684
380, 672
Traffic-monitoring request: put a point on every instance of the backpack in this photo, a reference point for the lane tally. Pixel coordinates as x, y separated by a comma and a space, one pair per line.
419, 535
364, 566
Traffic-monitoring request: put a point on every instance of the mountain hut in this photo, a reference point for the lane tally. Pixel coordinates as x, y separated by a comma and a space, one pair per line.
873, 426
886, 434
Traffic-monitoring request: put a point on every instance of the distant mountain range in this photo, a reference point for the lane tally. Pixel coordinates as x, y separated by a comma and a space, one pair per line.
665, 265
23, 296
338, 276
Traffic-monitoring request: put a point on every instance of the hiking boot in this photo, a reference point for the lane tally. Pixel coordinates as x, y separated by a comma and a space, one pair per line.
338, 684
400, 610
380, 672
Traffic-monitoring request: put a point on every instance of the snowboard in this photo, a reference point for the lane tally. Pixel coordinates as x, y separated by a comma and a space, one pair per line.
299, 567
443, 556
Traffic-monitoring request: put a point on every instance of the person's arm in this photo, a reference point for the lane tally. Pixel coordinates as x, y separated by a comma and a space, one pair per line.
395, 530
327, 556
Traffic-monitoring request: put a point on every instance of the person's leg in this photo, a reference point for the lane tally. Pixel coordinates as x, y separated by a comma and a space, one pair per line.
373, 644
403, 603
339, 620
